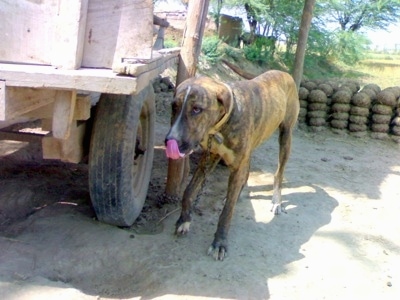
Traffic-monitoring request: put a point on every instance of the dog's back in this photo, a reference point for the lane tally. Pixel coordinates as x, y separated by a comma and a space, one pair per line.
269, 100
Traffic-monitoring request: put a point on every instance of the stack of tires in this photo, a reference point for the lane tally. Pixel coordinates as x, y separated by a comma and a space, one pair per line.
382, 112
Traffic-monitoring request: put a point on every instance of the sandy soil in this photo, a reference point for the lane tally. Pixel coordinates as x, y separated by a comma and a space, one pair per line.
339, 239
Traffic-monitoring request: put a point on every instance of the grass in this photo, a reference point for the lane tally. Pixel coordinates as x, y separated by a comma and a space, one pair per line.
382, 69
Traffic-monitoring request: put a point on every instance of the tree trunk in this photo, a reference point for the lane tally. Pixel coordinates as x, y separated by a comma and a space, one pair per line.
178, 170
302, 42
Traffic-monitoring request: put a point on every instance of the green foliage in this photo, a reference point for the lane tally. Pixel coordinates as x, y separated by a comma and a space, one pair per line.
169, 43
348, 47
360, 14
261, 51
344, 43
210, 49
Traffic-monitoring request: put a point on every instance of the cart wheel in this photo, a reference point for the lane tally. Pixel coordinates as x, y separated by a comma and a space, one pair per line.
121, 156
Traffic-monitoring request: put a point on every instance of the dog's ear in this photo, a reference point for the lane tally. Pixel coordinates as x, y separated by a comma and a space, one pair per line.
224, 96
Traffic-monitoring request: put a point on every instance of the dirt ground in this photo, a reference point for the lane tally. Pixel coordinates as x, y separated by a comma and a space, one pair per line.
339, 239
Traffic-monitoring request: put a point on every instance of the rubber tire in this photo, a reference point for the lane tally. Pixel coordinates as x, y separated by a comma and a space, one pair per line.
118, 184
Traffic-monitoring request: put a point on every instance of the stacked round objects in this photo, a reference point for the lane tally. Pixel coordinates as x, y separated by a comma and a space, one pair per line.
328, 90
395, 124
361, 109
340, 109
317, 109
303, 95
306, 86
359, 113
382, 112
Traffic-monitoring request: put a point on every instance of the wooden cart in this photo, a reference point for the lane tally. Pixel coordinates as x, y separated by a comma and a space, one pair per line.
58, 58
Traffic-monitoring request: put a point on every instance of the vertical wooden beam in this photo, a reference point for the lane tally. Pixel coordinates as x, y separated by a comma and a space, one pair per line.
137, 15
302, 41
68, 150
192, 39
191, 45
69, 34
63, 113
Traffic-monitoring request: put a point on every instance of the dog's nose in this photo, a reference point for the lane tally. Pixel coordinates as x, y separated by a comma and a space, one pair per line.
171, 136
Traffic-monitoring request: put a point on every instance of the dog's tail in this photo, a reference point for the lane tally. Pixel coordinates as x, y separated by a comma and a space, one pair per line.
238, 70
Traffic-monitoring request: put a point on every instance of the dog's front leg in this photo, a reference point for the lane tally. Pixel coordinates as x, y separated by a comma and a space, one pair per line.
237, 180
206, 165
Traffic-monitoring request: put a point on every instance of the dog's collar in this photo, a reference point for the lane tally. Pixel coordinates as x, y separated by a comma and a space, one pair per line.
215, 130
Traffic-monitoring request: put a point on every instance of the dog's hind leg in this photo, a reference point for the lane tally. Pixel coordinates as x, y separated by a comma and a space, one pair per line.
285, 142
206, 165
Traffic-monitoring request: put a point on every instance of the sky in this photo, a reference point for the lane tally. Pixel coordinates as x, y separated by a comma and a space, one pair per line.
381, 39
386, 39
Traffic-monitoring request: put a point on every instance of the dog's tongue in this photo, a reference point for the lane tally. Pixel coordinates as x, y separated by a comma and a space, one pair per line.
173, 150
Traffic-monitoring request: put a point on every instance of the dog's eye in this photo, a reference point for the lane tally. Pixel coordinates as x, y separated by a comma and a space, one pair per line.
196, 110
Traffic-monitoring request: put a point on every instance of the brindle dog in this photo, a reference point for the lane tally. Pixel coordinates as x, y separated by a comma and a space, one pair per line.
229, 122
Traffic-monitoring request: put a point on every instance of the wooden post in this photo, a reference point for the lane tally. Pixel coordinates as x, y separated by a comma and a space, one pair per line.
191, 45
63, 113
159, 43
69, 34
302, 42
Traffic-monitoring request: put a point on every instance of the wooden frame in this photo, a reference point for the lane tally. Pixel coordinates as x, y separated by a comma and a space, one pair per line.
71, 34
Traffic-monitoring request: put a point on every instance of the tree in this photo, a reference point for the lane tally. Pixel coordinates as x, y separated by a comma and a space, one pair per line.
216, 6
353, 15
302, 41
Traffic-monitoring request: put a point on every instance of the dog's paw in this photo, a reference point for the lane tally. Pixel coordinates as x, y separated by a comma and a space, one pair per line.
183, 228
278, 209
218, 252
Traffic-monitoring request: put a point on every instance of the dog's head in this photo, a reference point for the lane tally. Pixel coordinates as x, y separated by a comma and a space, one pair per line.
199, 104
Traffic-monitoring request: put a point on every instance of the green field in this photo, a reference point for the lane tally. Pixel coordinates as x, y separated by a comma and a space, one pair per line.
380, 68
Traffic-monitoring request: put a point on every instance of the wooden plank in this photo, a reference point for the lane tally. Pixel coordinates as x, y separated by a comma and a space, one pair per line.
19, 101
51, 147
92, 80
20, 136
26, 33
138, 42
70, 27
117, 29
72, 149
96, 80
67, 150
137, 67
63, 113
82, 107
81, 112
47, 124
144, 78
